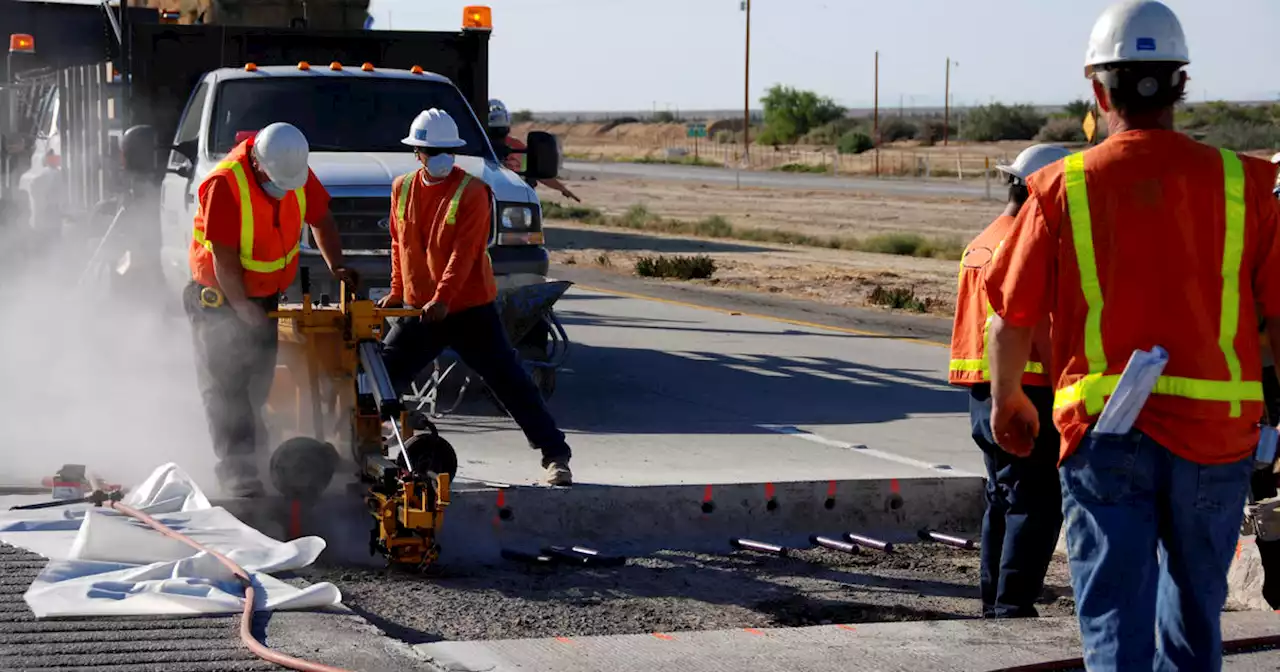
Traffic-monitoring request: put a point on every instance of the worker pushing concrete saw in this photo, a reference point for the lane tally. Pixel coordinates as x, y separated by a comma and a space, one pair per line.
440, 225
1149, 239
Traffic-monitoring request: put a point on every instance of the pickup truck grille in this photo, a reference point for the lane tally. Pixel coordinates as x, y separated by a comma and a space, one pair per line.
359, 224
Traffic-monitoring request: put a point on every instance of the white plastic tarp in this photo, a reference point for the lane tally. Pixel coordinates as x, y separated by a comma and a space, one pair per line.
105, 563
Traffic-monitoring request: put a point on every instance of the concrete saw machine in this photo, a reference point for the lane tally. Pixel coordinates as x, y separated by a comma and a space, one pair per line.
331, 390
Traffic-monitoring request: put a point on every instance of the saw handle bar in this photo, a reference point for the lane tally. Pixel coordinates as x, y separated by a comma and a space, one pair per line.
384, 313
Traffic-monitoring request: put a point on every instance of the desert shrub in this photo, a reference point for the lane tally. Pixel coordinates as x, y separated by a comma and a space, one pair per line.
913, 245
855, 142
553, 210
1061, 130
901, 298
988, 123
664, 117
521, 116
699, 267
897, 128
930, 132
801, 168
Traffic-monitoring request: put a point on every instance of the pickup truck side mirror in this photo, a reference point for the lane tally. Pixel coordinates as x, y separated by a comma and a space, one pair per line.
138, 149
543, 155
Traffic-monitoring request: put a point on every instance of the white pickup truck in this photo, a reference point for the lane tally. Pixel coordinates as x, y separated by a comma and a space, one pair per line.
354, 116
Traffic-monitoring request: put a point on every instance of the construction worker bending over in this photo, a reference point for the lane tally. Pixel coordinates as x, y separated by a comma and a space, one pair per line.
1024, 503
244, 254
440, 223
510, 150
1149, 239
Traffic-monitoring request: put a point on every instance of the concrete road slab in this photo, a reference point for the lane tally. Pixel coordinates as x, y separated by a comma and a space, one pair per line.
660, 393
951, 646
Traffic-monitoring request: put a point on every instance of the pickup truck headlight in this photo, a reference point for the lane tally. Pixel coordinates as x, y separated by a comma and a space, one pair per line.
520, 226
517, 217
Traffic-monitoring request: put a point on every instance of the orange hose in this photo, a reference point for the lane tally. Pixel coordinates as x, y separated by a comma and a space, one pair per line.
246, 617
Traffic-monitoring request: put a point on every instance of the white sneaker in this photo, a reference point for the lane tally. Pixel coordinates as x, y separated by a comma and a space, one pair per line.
557, 473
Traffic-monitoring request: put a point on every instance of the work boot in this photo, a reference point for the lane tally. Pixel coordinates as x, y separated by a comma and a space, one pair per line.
557, 473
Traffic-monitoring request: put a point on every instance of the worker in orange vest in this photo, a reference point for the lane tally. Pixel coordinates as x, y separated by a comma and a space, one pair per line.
1149, 239
244, 254
511, 150
1024, 503
440, 223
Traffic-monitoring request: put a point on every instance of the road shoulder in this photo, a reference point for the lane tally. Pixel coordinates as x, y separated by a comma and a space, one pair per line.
863, 321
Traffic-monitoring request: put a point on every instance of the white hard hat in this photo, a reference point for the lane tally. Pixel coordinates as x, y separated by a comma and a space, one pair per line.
1034, 158
434, 128
281, 150
1136, 31
1276, 159
499, 116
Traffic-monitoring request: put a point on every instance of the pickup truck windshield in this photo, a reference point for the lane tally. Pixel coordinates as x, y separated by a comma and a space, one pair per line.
339, 114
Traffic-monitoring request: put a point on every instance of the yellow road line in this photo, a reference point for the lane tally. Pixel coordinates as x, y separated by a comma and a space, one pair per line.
771, 318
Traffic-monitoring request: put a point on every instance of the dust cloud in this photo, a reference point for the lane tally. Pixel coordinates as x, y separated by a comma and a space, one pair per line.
96, 363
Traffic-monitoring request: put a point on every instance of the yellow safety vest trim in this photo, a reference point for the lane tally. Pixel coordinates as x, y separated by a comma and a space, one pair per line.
1232, 255
406, 182
1094, 388
246, 224
452, 218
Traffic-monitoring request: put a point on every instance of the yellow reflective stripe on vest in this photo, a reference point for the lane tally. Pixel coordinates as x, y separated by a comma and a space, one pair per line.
1082, 237
406, 182
246, 224
981, 365
1232, 255
1096, 386
452, 217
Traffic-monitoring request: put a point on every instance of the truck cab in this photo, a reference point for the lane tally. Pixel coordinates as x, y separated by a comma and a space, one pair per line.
354, 116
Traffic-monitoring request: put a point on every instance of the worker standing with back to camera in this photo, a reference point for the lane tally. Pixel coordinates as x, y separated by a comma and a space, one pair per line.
1149, 239
244, 254
510, 150
440, 223
1024, 502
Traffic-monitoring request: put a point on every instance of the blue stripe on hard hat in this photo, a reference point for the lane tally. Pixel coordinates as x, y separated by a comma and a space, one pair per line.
420, 134
1146, 44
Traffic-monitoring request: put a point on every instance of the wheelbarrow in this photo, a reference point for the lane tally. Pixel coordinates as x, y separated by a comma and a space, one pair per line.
521, 309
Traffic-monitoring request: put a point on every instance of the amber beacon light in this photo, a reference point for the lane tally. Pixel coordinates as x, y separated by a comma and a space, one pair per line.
21, 43
477, 17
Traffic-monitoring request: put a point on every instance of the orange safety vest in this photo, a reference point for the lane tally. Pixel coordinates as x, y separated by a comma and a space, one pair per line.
969, 362
270, 232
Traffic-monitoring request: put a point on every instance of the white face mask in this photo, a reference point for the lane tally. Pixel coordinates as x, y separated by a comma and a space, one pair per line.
273, 191
440, 165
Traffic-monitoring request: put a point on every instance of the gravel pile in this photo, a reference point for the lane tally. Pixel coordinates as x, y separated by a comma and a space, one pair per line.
674, 591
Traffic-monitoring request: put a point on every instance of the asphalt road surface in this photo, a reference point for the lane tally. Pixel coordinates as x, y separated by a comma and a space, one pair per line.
776, 180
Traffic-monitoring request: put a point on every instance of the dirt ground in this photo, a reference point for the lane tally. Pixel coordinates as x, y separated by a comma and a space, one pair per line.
828, 276
677, 591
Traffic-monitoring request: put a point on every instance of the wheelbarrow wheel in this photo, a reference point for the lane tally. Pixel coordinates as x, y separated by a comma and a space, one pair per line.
545, 380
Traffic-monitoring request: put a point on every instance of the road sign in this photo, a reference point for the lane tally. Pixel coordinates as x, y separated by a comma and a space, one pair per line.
1090, 125
696, 130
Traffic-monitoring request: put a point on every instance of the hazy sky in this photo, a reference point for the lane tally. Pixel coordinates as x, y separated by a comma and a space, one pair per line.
630, 54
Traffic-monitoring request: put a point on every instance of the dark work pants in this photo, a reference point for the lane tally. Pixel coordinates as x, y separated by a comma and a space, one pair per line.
477, 336
235, 364
1263, 486
1024, 510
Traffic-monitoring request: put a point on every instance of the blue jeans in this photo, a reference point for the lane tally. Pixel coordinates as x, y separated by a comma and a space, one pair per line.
1150, 538
1024, 510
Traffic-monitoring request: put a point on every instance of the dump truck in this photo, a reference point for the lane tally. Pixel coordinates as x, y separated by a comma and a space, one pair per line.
200, 87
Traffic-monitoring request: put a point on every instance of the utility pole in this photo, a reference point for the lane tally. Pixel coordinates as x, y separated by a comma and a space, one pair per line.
946, 103
875, 123
746, 92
